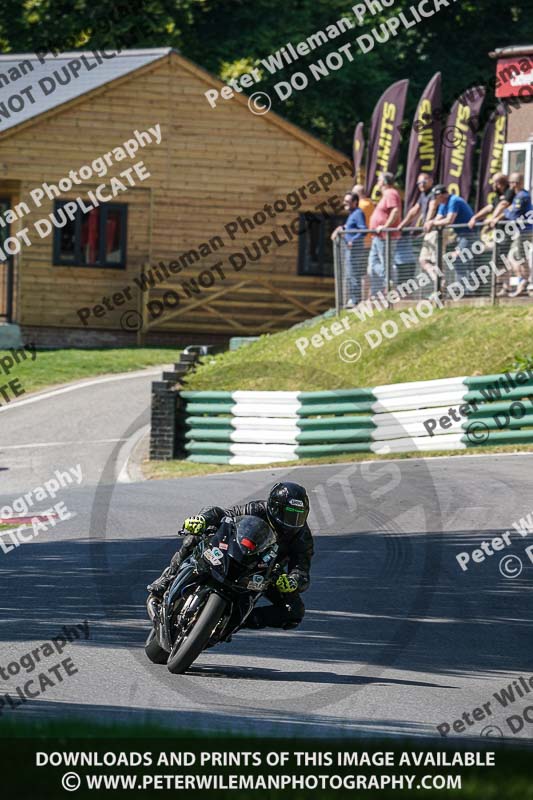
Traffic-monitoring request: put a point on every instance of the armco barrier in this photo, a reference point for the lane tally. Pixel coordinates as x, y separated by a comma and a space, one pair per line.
448, 414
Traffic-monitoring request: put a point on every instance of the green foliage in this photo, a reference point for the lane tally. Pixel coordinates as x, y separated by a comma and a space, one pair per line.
227, 36
521, 362
63, 366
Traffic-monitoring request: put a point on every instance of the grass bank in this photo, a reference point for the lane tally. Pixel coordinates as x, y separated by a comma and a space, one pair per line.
189, 469
52, 367
453, 341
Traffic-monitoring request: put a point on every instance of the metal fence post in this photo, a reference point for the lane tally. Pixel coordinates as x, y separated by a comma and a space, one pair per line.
337, 273
439, 256
387, 266
495, 267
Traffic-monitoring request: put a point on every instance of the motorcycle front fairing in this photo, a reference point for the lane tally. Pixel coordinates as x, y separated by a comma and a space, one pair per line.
236, 561
241, 555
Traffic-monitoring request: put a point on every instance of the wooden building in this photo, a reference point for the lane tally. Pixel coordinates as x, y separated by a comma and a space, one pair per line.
514, 87
170, 250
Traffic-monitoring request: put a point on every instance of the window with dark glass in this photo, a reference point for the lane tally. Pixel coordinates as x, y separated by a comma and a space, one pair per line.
96, 238
315, 251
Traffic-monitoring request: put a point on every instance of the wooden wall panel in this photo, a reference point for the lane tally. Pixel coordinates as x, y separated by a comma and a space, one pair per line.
211, 166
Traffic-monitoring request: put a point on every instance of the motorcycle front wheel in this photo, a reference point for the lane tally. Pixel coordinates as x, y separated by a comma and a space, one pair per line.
153, 649
188, 651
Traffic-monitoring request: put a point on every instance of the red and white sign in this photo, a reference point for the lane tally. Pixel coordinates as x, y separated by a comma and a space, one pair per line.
514, 77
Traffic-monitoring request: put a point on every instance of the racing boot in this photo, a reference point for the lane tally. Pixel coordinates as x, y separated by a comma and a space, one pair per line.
159, 586
256, 620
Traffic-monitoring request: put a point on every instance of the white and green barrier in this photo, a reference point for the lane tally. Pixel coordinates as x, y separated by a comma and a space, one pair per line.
448, 414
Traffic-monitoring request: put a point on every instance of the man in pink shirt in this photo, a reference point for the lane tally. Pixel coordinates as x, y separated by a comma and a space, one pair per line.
387, 214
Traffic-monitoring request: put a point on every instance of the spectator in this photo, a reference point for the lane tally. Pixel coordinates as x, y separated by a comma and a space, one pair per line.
353, 241
519, 256
503, 198
367, 206
387, 214
453, 210
418, 212
415, 217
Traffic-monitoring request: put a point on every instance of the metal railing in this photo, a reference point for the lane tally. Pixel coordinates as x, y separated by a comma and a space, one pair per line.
450, 264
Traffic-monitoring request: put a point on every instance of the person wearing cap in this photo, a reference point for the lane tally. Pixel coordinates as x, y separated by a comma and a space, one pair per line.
452, 210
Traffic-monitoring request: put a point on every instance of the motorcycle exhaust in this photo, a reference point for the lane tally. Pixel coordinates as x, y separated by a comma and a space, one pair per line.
153, 607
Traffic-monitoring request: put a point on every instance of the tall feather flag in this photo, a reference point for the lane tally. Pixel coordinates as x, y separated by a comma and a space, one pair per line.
424, 144
385, 133
491, 158
459, 140
358, 150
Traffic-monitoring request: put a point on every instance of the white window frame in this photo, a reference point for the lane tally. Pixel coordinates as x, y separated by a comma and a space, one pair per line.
515, 146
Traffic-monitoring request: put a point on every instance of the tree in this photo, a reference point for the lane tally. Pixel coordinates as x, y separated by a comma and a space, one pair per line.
228, 37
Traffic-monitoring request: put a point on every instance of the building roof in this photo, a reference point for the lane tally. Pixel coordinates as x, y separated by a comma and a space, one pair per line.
96, 79
91, 75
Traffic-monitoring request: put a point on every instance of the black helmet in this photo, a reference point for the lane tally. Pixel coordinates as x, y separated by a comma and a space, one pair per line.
288, 505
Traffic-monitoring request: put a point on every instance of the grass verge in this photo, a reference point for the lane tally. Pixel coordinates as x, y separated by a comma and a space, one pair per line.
63, 366
453, 341
189, 469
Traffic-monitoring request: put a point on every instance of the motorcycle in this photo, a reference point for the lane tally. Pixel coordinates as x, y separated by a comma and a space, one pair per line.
213, 593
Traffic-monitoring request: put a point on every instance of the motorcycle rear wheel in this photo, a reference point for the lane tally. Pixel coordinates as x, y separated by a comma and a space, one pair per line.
190, 649
153, 649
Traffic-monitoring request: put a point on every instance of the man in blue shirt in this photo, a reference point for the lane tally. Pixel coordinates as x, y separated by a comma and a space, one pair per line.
353, 233
521, 202
453, 210
513, 247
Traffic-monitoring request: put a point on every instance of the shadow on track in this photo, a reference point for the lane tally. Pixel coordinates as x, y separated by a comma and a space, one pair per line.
262, 674
357, 605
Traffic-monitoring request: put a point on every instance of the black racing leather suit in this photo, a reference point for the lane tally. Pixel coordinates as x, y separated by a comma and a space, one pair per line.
295, 552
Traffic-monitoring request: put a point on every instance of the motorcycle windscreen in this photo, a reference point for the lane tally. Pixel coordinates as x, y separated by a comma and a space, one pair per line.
253, 535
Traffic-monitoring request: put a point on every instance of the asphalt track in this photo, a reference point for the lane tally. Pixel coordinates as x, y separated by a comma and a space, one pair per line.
396, 639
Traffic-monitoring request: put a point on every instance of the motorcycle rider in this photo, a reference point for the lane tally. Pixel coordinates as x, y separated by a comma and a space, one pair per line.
286, 511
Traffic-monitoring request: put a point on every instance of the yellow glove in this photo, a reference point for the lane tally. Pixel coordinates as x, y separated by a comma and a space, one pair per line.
195, 525
286, 583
